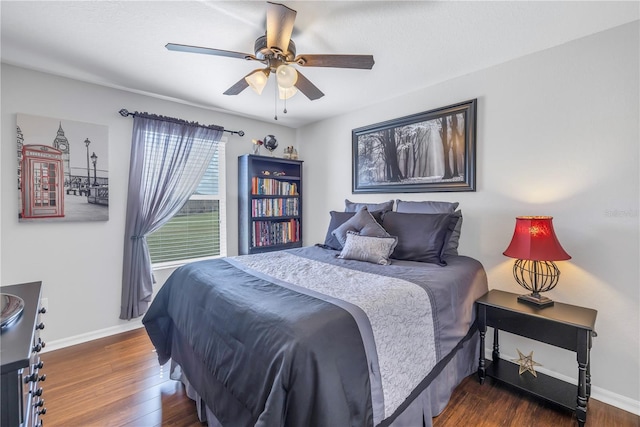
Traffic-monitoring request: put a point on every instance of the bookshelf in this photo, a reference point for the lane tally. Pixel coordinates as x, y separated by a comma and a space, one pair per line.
269, 204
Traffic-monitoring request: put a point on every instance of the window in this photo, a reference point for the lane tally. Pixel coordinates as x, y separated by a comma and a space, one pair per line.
198, 230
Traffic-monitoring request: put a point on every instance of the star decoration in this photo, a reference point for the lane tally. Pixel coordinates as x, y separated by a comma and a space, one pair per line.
526, 363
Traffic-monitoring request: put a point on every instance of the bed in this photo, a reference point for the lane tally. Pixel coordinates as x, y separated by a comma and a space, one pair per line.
310, 337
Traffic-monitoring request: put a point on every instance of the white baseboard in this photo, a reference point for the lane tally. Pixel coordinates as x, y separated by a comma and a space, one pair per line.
598, 393
94, 335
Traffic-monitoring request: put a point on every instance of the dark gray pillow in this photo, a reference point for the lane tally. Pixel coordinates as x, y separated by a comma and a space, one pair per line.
368, 248
432, 207
339, 218
362, 223
350, 206
421, 237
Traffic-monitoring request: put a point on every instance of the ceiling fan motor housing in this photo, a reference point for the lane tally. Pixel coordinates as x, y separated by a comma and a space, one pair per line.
263, 52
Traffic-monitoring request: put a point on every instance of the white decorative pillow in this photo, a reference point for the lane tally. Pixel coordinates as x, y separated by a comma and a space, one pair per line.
368, 248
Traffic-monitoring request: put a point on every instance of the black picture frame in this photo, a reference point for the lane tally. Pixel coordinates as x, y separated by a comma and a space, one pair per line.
407, 155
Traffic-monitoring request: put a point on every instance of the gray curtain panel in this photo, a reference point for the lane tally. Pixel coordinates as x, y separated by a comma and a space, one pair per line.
168, 161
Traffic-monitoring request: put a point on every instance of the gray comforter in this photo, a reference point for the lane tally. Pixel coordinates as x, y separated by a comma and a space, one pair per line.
301, 338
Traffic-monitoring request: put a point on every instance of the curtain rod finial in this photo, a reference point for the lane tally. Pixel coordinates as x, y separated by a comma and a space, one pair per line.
124, 112
240, 133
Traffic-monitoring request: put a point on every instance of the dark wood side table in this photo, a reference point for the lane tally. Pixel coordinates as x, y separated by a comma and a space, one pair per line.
562, 325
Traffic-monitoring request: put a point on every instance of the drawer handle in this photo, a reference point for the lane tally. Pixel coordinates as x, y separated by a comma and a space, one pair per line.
39, 346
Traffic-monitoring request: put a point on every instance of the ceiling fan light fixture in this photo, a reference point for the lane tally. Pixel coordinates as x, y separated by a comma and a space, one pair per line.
286, 93
258, 80
287, 76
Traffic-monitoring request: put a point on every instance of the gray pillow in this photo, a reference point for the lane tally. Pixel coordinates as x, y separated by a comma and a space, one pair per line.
350, 206
368, 248
339, 218
428, 206
432, 207
453, 235
421, 237
363, 223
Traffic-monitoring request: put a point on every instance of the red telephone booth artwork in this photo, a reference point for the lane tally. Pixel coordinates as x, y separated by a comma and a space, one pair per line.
42, 182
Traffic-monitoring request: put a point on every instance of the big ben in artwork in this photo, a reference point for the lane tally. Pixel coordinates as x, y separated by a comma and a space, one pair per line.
62, 144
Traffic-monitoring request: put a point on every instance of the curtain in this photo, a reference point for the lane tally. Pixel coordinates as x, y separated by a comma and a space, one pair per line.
168, 160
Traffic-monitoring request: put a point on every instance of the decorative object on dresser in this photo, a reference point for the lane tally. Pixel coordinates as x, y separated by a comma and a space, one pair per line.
565, 326
429, 151
535, 247
22, 404
269, 204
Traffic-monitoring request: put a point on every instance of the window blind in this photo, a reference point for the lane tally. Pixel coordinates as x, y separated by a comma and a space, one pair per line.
198, 230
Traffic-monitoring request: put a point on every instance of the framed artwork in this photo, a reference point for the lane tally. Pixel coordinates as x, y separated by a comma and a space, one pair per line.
426, 152
62, 170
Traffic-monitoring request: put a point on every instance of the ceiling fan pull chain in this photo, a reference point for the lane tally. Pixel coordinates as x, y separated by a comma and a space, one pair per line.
285, 106
275, 103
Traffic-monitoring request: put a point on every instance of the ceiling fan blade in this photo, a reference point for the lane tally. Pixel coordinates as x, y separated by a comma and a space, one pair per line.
280, 21
238, 87
309, 89
364, 62
208, 51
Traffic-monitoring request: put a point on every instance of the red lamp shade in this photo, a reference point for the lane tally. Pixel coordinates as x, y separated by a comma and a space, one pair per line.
534, 239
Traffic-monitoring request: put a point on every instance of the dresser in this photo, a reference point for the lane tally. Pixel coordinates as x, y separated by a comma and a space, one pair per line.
22, 403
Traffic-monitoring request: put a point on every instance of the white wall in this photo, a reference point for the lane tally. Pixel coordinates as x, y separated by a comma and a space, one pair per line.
80, 263
557, 135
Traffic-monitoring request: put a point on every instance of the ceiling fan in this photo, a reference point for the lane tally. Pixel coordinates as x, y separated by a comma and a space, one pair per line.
277, 51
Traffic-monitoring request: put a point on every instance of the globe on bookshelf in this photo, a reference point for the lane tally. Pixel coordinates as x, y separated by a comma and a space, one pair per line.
270, 143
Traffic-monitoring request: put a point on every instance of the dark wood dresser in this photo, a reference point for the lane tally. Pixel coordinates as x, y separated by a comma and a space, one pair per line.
22, 403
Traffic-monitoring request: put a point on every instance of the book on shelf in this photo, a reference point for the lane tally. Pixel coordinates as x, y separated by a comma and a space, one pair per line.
275, 207
269, 233
273, 187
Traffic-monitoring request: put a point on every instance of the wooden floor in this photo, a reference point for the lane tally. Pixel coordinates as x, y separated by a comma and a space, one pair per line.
116, 381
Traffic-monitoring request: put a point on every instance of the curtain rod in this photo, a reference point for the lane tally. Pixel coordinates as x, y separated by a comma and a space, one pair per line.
124, 113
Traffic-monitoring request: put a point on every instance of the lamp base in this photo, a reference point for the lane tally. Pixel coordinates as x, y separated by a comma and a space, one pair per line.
537, 300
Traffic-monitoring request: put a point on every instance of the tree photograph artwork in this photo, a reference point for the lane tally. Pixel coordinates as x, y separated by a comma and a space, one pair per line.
425, 152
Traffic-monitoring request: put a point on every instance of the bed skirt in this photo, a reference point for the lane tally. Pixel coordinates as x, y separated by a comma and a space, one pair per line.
458, 365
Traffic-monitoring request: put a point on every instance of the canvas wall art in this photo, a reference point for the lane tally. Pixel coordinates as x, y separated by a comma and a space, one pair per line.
425, 152
63, 170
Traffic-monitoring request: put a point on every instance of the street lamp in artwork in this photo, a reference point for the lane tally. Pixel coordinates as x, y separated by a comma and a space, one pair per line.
94, 160
86, 143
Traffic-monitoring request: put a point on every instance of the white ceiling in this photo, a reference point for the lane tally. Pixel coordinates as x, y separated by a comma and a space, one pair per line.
415, 44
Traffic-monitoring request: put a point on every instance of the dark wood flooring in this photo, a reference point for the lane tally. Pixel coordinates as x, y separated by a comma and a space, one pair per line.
116, 381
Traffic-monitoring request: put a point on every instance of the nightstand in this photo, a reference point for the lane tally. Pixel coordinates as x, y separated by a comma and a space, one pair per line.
562, 325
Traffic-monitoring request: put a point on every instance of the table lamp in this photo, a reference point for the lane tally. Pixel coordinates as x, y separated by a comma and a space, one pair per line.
535, 247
